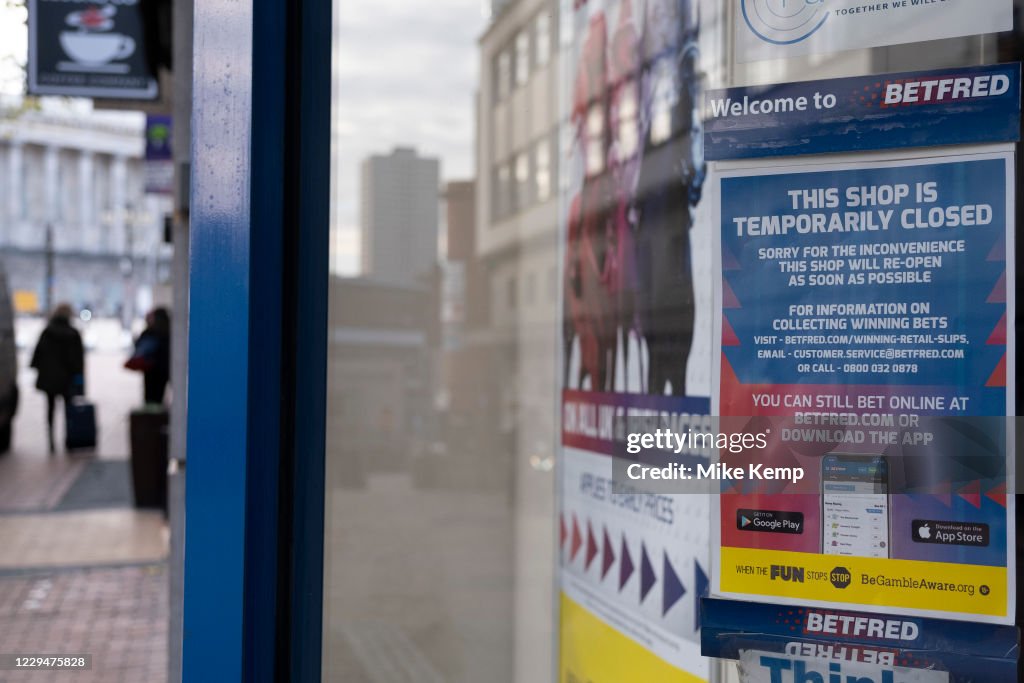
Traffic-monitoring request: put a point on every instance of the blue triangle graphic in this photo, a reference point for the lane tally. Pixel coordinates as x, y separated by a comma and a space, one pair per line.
673, 587
625, 565
744, 521
647, 577
702, 586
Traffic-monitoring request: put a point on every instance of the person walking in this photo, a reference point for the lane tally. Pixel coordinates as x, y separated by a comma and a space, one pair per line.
59, 359
152, 355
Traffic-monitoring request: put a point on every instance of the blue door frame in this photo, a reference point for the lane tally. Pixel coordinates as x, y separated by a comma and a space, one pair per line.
257, 340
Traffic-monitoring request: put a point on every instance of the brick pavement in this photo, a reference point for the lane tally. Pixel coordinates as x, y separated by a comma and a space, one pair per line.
92, 581
117, 615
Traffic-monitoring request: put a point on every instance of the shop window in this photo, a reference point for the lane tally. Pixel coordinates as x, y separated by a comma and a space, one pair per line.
503, 75
502, 191
627, 121
542, 39
522, 57
542, 169
522, 192
595, 139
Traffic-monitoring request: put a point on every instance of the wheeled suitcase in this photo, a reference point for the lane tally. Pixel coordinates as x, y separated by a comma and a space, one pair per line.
79, 424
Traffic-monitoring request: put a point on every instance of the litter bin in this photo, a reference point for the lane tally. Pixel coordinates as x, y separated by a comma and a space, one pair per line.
148, 428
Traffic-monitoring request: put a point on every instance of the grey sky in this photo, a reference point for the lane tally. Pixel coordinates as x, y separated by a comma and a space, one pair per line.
405, 74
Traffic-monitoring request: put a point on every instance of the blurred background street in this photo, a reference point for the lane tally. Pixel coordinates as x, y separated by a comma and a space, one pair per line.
81, 570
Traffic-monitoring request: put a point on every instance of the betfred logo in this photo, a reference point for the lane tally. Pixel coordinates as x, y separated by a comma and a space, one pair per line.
934, 90
784, 573
840, 577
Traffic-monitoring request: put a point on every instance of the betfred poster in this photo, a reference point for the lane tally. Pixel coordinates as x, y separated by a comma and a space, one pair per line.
863, 322
785, 643
776, 29
637, 301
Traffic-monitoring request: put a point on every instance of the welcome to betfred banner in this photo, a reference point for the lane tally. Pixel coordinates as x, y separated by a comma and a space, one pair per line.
636, 340
865, 322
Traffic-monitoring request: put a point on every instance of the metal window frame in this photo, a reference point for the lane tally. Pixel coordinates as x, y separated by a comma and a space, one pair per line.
257, 340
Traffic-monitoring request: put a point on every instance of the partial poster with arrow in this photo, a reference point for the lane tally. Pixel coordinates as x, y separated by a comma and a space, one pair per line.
636, 339
94, 49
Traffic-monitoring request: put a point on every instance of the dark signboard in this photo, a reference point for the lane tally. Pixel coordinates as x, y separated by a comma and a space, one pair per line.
84, 48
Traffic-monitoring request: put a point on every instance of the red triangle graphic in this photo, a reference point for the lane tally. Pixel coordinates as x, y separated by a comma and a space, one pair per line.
998, 336
998, 252
607, 555
729, 261
998, 495
998, 295
729, 337
998, 376
971, 493
728, 374
591, 546
577, 539
729, 299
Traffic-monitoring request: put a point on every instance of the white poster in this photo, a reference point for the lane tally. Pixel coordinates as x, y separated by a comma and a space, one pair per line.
776, 29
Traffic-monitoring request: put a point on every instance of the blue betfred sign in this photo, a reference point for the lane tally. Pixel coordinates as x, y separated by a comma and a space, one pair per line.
864, 113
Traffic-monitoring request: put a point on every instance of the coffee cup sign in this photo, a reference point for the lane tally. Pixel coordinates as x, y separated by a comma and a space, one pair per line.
91, 45
94, 48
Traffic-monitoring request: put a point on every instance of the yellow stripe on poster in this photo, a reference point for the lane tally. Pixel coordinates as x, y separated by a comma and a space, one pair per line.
953, 588
594, 652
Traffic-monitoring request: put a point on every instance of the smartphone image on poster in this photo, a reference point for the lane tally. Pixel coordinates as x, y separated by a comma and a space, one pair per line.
855, 505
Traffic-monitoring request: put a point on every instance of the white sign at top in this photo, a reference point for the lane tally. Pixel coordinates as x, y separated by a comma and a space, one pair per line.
774, 29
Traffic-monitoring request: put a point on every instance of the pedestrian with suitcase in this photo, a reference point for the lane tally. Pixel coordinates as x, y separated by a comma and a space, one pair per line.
59, 359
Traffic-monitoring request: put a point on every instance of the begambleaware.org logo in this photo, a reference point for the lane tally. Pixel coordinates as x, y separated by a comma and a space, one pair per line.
784, 22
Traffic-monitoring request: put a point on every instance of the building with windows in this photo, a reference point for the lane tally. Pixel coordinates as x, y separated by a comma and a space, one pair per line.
516, 244
74, 191
398, 216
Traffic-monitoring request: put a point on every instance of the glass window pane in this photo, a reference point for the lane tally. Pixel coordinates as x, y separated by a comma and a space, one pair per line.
523, 197
439, 555
503, 75
542, 39
520, 215
542, 169
522, 57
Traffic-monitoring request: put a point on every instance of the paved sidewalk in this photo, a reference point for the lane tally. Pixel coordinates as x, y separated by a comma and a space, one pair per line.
91, 581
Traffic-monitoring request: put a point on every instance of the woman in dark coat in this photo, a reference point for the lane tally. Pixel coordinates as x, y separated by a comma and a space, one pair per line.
60, 360
152, 355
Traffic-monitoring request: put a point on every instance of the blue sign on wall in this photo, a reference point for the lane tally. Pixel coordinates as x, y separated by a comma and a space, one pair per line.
920, 109
970, 652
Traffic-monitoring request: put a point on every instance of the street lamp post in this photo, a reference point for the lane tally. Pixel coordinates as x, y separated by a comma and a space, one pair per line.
48, 302
128, 268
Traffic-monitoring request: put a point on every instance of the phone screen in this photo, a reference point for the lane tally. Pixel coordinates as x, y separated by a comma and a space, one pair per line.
855, 505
